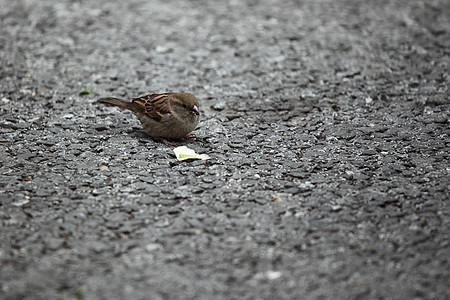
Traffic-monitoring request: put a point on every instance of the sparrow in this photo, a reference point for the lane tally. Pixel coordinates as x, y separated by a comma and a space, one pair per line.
164, 117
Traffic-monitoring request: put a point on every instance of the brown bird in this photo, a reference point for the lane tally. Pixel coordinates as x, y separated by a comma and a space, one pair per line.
164, 117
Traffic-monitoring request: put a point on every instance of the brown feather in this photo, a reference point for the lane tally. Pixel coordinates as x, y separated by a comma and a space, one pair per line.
120, 103
154, 105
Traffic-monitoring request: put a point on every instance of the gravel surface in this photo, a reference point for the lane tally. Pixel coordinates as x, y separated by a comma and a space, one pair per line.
327, 124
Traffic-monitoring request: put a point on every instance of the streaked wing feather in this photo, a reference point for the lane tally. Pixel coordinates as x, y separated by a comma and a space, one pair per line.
154, 105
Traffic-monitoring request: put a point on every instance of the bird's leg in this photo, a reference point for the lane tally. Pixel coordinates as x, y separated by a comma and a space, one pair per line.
167, 142
189, 136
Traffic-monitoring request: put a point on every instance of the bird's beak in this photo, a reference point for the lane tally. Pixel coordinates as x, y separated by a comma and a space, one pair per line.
195, 110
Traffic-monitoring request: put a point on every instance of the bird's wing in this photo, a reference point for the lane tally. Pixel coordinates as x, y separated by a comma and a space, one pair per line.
154, 105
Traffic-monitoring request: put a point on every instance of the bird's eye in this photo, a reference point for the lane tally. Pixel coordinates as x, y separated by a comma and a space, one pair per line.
184, 105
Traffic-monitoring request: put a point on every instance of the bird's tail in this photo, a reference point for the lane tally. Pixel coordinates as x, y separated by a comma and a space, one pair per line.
119, 103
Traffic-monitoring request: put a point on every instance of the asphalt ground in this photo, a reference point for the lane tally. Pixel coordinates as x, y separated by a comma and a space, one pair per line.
327, 124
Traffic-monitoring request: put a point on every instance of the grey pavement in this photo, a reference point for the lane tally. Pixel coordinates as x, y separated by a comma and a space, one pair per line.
327, 124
